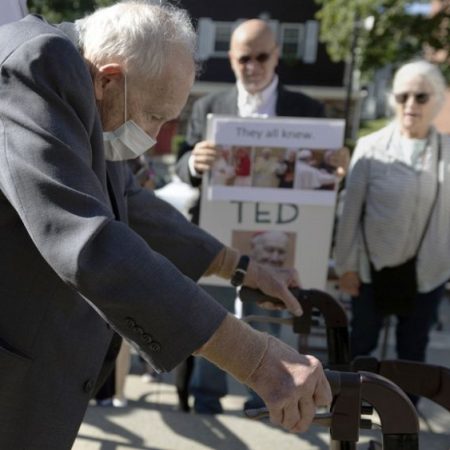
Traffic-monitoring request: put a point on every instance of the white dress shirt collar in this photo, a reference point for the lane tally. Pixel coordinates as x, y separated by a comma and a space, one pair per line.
261, 104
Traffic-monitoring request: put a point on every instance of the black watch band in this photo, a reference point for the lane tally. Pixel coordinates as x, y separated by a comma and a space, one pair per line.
241, 269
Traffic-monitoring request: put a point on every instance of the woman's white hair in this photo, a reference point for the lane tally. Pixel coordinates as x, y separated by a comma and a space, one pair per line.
424, 70
137, 34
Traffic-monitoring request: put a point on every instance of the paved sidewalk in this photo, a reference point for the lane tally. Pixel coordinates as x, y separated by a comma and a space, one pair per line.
151, 420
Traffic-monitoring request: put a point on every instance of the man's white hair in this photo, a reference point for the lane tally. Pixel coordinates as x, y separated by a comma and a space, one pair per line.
424, 70
263, 237
137, 34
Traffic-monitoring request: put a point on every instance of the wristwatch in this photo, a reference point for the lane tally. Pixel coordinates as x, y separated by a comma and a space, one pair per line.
241, 269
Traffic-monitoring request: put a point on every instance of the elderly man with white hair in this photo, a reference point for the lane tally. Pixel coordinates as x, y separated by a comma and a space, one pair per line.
86, 254
270, 247
393, 239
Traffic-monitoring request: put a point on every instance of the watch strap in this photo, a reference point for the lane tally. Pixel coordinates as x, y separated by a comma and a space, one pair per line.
241, 269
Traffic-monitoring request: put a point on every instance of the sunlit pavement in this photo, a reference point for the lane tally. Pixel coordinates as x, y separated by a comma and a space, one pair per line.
151, 421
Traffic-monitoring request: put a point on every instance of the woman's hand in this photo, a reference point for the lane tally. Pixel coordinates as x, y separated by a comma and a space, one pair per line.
350, 283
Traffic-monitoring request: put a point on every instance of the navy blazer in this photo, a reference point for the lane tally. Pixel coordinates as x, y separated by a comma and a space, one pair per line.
72, 269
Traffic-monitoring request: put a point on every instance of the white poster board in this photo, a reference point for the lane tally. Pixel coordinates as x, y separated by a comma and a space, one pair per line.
272, 191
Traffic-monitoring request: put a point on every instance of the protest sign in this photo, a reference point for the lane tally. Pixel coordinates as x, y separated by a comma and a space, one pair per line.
272, 191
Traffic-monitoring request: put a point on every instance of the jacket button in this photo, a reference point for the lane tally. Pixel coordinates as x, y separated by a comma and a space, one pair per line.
130, 322
155, 347
147, 338
139, 330
88, 386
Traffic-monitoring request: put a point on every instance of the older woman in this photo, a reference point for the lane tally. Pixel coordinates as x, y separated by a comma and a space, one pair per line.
396, 211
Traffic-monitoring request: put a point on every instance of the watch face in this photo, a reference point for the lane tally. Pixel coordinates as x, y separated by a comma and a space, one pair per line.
238, 277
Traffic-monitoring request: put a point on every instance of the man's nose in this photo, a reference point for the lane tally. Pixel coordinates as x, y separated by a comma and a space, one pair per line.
251, 65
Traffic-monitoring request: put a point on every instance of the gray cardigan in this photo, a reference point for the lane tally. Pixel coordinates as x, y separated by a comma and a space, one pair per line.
398, 199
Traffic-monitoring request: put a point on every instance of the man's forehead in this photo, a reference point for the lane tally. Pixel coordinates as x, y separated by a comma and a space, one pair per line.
271, 239
257, 44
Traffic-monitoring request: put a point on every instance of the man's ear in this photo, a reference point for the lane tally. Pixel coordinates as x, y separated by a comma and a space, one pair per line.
105, 76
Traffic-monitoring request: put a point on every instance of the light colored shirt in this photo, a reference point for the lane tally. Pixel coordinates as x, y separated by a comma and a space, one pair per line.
396, 188
12, 10
261, 104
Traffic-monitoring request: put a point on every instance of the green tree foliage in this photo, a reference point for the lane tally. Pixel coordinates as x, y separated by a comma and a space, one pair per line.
65, 10
396, 35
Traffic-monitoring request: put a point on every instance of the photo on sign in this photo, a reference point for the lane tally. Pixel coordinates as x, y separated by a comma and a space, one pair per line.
274, 160
271, 167
268, 167
233, 166
270, 247
315, 170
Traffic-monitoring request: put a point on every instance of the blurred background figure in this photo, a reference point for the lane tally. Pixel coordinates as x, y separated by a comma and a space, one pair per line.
254, 55
397, 213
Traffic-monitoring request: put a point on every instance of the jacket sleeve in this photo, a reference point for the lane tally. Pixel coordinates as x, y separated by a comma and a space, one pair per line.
348, 238
168, 232
50, 140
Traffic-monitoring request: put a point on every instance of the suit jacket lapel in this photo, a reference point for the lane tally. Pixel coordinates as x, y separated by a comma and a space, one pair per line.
281, 106
230, 101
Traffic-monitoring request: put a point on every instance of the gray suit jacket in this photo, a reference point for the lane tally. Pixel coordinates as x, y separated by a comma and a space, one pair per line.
289, 104
70, 271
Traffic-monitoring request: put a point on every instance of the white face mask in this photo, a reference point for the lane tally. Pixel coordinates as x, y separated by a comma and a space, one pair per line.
129, 141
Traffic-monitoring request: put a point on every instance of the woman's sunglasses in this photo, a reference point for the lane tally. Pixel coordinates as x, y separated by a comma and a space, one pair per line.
420, 97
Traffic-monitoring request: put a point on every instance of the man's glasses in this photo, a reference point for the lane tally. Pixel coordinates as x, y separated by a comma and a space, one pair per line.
260, 58
420, 97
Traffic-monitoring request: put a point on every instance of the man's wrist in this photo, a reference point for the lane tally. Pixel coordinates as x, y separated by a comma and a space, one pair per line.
224, 264
236, 348
238, 276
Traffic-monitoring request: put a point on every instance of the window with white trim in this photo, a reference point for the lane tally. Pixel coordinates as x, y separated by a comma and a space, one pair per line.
292, 40
297, 40
222, 37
